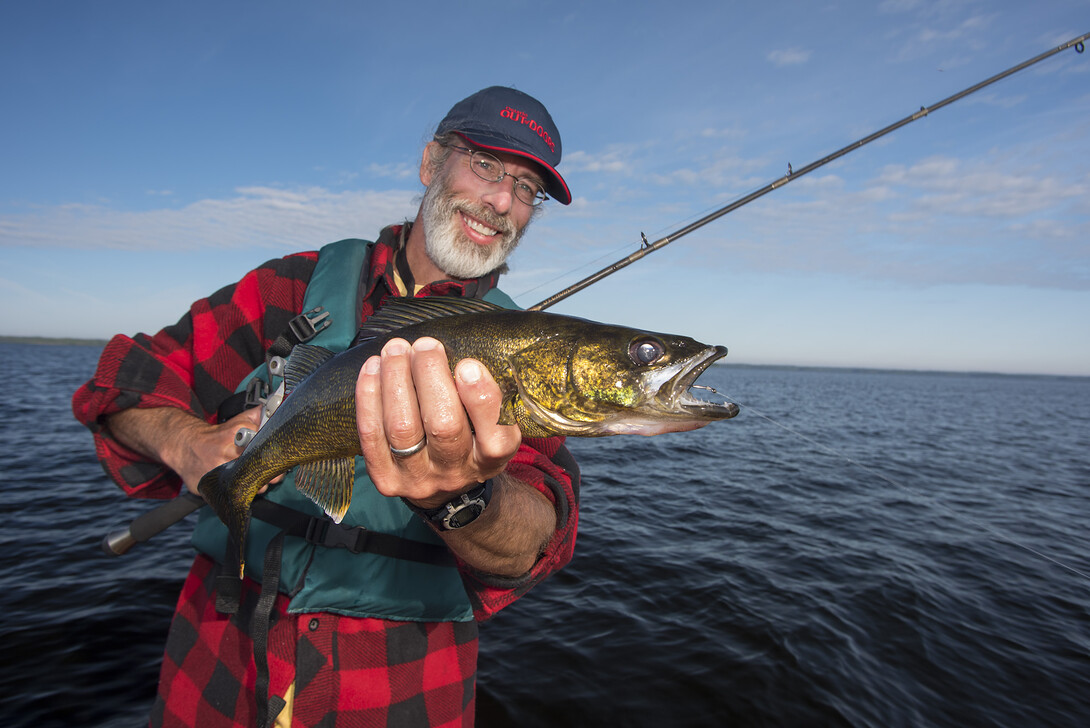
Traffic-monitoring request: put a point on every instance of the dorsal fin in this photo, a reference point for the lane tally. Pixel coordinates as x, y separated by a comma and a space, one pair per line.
303, 361
397, 313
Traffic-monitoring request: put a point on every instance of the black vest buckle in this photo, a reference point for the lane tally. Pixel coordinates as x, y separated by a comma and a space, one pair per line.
257, 391
306, 325
326, 533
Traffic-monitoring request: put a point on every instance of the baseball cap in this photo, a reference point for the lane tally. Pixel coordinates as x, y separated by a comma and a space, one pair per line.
504, 119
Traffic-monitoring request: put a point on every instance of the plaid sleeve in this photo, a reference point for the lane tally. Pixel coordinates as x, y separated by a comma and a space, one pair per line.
193, 365
546, 464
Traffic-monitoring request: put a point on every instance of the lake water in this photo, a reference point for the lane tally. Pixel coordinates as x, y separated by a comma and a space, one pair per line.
857, 548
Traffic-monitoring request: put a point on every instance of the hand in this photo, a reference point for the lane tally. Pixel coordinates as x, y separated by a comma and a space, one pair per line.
183, 442
198, 447
408, 393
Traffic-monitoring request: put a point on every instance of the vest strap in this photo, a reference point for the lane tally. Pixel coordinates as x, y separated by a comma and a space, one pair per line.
228, 585
266, 710
255, 393
301, 329
322, 531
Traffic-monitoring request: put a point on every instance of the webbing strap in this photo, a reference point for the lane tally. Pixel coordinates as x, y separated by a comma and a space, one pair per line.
255, 393
259, 632
323, 531
302, 328
228, 583
317, 530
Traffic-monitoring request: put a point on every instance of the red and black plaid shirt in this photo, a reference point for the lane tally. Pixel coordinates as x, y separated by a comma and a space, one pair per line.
329, 669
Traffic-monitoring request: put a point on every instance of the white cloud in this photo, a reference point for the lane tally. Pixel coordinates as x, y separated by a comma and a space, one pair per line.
727, 133
399, 171
979, 189
616, 159
1003, 102
257, 217
898, 6
720, 170
937, 27
942, 220
789, 57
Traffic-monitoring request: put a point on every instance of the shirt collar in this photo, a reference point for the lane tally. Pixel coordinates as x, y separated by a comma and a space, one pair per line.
390, 269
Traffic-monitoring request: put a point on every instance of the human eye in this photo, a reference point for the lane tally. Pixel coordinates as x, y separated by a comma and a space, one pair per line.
529, 188
488, 167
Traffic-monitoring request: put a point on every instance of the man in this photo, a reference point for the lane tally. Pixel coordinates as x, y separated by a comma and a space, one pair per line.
383, 630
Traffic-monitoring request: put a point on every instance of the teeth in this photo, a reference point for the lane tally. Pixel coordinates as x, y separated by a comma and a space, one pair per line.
707, 396
478, 227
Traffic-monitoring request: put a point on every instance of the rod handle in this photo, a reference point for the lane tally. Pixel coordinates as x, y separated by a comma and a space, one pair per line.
148, 524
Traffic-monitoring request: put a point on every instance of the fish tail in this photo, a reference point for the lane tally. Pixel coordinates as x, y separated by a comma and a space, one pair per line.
217, 487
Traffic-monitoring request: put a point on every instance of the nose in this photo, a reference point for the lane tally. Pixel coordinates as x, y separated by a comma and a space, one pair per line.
500, 196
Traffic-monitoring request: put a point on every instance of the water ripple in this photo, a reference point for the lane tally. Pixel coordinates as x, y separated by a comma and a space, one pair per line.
874, 565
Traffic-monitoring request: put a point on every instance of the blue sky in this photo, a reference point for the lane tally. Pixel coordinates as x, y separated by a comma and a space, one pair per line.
153, 152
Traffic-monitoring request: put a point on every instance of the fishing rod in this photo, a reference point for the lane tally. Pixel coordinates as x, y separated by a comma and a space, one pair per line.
148, 524
157, 519
647, 248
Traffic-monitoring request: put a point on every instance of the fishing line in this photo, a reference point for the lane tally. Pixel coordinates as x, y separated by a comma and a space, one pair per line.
570, 271
613, 251
792, 174
895, 483
163, 516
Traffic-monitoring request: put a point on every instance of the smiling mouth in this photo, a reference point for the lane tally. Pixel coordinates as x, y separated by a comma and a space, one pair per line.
479, 227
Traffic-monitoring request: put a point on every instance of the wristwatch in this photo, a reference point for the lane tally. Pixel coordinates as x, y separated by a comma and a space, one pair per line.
459, 511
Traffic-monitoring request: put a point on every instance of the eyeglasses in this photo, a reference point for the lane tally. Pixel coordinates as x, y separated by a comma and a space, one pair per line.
491, 169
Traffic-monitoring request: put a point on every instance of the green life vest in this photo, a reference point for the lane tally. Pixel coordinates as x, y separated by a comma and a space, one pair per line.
319, 578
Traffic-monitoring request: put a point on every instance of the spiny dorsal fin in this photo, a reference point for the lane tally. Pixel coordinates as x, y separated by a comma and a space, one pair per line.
397, 313
329, 484
303, 361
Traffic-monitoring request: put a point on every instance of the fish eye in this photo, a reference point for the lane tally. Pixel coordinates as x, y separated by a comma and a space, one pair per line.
646, 351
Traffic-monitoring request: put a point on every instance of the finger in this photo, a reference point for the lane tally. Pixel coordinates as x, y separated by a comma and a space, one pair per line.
373, 443
399, 407
482, 398
450, 442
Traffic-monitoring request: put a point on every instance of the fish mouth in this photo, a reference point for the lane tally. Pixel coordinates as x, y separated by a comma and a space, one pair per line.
709, 404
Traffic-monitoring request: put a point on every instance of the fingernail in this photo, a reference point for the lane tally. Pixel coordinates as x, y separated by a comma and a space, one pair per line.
470, 372
372, 365
397, 347
426, 344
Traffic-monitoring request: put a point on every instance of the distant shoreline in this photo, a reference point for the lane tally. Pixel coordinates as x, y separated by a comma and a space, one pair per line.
51, 341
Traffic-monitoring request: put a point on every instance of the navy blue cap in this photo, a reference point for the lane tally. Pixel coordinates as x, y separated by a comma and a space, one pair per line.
506, 120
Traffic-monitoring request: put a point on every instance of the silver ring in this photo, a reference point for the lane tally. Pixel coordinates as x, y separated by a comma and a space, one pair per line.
410, 450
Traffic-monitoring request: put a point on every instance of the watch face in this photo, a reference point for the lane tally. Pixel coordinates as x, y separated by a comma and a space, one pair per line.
465, 514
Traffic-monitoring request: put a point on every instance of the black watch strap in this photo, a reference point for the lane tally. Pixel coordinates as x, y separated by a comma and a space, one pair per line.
459, 511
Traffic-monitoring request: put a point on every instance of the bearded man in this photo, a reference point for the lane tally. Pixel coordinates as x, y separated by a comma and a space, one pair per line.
372, 621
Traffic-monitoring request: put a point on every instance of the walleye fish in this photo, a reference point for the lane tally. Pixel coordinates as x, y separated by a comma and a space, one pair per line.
559, 375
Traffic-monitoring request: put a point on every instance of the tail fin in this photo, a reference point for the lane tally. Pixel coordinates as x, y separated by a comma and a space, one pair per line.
217, 487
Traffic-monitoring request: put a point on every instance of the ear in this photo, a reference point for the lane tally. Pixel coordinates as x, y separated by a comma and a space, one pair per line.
425, 163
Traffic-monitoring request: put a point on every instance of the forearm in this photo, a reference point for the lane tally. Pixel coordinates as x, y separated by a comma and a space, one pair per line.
511, 533
179, 440
153, 432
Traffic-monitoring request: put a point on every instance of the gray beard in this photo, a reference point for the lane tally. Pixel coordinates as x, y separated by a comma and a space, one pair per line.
445, 243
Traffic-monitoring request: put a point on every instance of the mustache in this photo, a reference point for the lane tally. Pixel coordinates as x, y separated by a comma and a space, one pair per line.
500, 222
